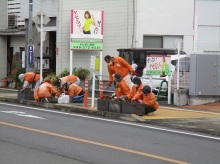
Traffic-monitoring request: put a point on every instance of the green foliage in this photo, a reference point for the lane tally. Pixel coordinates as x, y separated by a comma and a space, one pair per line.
18, 83
82, 73
64, 73
52, 77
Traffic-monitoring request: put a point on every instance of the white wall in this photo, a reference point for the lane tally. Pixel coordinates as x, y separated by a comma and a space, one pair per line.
118, 23
3, 14
208, 13
17, 41
165, 17
3, 56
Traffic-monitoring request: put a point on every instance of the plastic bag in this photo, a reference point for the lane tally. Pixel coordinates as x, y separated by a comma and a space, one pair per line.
64, 99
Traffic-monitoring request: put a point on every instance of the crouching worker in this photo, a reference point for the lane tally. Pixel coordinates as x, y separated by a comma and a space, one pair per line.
45, 92
67, 79
122, 90
136, 88
30, 78
75, 92
148, 98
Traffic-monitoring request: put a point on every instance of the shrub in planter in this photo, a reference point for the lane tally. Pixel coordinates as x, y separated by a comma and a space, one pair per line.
82, 73
65, 72
52, 77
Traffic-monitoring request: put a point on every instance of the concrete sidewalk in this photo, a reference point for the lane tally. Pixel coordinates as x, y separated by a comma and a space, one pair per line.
199, 118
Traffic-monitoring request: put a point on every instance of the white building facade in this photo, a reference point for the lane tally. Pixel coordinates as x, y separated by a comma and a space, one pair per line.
127, 24
207, 15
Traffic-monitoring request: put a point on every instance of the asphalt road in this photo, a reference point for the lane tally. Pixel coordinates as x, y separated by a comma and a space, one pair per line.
40, 136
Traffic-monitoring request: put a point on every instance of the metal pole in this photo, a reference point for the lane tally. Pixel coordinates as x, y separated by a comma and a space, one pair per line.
100, 66
93, 89
29, 67
178, 67
71, 61
41, 45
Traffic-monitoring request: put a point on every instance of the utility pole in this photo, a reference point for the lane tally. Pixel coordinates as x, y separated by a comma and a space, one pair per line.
30, 52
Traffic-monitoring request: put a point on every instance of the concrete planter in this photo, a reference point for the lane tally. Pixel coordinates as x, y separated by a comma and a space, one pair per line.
3, 83
103, 105
181, 97
114, 106
26, 95
133, 108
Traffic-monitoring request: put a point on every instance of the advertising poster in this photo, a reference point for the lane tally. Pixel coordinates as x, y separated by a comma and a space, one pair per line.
158, 65
86, 30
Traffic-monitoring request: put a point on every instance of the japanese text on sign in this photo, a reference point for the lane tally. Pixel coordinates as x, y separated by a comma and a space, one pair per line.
86, 44
158, 65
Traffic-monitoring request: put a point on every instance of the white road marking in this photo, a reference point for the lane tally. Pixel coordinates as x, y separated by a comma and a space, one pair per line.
23, 114
120, 122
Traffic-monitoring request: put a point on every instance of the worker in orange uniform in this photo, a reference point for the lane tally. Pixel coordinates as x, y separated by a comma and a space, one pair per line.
30, 78
45, 90
119, 65
67, 79
148, 98
136, 89
122, 90
75, 92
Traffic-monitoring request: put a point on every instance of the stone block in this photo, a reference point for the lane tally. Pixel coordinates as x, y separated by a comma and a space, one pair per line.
133, 108
26, 95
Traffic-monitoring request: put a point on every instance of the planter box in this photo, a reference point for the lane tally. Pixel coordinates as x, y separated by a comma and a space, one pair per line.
102, 105
133, 108
3, 83
114, 106
26, 95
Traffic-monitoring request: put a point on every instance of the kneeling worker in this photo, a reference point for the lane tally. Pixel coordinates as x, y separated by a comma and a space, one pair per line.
45, 90
75, 92
148, 98
136, 88
67, 79
122, 89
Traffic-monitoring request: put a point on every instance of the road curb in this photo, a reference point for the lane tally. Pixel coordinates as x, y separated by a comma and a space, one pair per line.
72, 108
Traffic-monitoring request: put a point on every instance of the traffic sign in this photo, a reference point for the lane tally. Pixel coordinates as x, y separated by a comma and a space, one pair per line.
30, 54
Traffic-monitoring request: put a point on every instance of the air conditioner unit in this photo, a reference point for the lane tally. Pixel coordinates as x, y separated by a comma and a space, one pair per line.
12, 21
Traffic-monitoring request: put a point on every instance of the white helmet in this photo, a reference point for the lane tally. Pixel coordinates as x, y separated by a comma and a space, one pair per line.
21, 77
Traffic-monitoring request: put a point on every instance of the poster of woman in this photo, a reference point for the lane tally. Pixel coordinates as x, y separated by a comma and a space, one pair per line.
86, 24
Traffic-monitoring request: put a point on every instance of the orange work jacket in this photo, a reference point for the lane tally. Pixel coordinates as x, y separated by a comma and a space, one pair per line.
74, 90
120, 66
135, 91
44, 91
29, 77
122, 89
149, 100
68, 79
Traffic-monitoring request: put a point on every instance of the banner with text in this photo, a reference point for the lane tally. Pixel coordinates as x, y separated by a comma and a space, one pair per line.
158, 65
